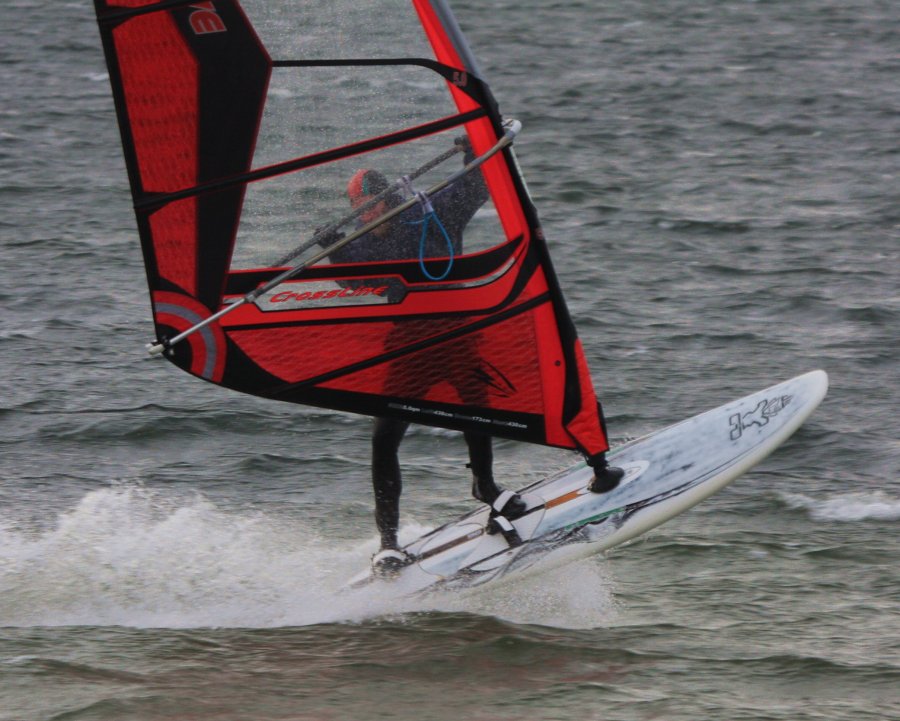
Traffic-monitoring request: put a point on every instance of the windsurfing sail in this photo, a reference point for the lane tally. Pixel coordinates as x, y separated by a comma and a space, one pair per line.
428, 294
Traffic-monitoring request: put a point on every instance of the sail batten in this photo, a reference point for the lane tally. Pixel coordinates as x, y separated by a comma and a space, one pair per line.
448, 313
154, 201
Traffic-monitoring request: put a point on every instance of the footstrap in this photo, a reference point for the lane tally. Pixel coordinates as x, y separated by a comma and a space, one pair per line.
500, 502
502, 525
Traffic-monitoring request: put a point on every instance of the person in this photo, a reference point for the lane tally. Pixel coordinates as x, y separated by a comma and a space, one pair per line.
403, 238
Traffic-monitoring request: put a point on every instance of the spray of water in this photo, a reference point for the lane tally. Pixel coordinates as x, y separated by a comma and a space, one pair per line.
130, 556
857, 506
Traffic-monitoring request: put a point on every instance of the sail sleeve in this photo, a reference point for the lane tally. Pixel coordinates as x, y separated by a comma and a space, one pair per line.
439, 304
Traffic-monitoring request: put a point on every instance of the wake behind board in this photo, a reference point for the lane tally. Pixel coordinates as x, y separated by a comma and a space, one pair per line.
667, 473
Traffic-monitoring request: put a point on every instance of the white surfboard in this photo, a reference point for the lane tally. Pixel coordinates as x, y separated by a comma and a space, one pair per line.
666, 473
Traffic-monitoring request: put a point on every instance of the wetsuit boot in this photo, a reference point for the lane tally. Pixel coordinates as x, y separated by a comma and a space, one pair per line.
606, 477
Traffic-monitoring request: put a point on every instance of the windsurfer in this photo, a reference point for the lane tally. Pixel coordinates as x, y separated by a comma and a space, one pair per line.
403, 238
400, 239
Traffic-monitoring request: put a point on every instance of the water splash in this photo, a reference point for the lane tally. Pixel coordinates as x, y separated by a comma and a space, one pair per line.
859, 506
575, 596
131, 556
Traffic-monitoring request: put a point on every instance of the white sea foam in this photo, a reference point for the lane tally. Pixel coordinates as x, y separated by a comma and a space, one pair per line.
130, 556
857, 506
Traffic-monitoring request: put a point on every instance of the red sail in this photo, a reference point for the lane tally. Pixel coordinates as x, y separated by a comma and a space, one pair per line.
472, 336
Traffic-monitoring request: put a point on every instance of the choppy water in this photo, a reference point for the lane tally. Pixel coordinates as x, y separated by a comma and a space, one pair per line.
719, 180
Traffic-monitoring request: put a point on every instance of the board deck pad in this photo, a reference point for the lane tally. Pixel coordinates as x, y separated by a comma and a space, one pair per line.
666, 473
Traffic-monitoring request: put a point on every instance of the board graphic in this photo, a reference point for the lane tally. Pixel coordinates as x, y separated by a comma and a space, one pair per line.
667, 473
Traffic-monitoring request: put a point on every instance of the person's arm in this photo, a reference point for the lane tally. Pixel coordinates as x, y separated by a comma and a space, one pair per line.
456, 205
472, 189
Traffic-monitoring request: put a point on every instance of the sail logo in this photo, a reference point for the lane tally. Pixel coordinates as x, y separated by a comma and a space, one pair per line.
759, 416
205, 20
322, 294
491, 376
460, 78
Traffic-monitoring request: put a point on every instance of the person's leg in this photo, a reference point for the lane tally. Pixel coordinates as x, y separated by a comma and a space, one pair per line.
484, 488
386, 478
481, 463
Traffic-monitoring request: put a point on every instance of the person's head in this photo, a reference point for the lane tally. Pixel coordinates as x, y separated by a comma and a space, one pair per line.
365, 185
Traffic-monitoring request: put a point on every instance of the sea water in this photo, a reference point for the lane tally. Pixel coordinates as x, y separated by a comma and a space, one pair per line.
718, 183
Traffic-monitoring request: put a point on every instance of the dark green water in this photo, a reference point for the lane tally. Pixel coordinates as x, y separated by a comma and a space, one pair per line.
719, 184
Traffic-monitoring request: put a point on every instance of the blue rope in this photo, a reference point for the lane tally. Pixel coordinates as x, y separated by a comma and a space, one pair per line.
424, 223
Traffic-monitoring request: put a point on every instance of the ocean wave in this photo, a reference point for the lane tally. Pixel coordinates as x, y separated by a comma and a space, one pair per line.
19, 333
857, 506
799, 666
150, 421
702, 225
